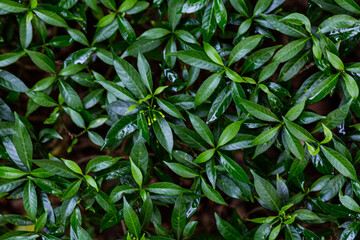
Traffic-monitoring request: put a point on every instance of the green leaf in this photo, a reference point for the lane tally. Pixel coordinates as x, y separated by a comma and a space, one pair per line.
297, 167
229, 133
125, 126
208, 87
335, 117
106, 20
226, 230
349, 5
173, 13
26, 32
131, 220
349, 203
182, 170
12, 6
163, 133
42, 61
328, 135
155, 33
293, 66
233, 168
91, 181
169, 108
145, 71
56, 167
351, 230
284, 27
244, 47
130, 77
11, 82
115, 89
100, 163
258, 58
72, 189
212, 53
10, 173
197, 59
126, 5
241, 141
10, 58
143, 126
298, 131
41, 222
323, 88
42, 99
51, 18
335, 60
126, 30
169, 48
298, 19
104, 33
189, 137
220, 14
290, 50
211, 193
30, 199
23, 143
146, 211
47, 185
267, 192
295, 111
178, 217
275, 232
73, 166
294, 145
268, 71
190, 228
78, 36
136, 173
261, 6
205, 156
208, 25
191, 6
7, 185
186, 36
75, 117
266, 136
166, 188
71, 69
43, 84
241, 7
234, 76
202, 129
118, 192
339, 162
219, 105
351, 86
259, 111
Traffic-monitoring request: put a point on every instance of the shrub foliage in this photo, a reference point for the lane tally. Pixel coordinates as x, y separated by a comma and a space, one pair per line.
183, 104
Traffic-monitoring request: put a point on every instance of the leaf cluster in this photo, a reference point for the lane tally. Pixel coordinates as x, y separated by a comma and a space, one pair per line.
187, 104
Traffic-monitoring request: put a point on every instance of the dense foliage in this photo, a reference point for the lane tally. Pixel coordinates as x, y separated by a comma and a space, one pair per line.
129, 117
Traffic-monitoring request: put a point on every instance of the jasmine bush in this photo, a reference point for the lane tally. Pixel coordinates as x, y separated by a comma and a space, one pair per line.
142, 119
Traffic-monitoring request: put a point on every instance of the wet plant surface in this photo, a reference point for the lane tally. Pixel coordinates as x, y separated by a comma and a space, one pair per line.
179, 119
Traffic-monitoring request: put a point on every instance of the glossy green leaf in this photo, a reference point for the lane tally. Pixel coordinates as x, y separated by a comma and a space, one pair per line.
30, 199
243, 48
339, 162
267, 192
211, 193
259, 111
131, 219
